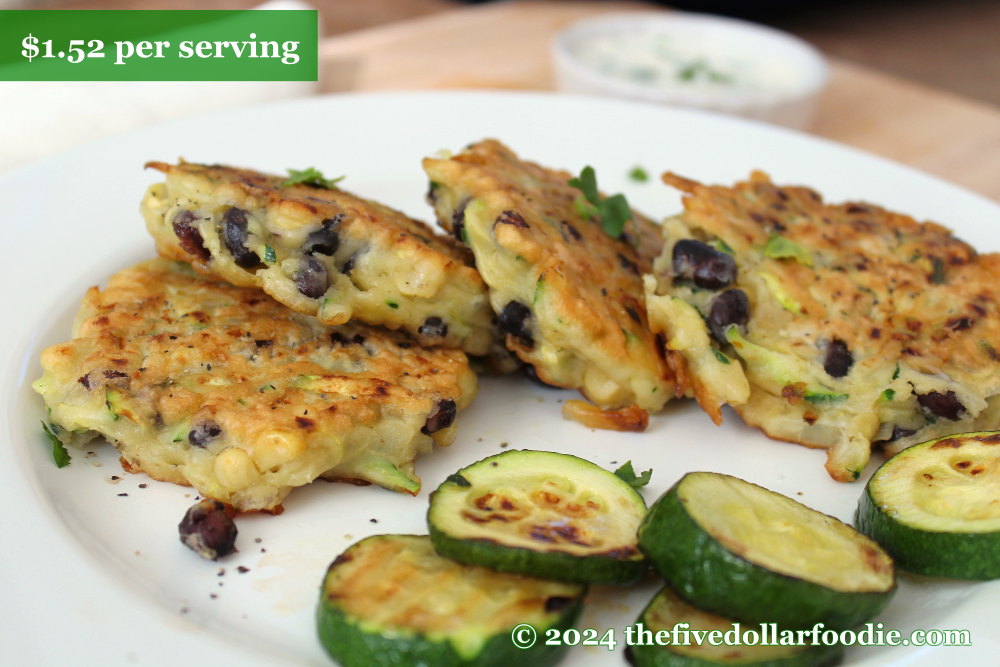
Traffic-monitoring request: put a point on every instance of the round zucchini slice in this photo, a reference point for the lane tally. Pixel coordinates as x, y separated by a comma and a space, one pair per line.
683, 649
935, 507
541, 514
391, 601
741, 551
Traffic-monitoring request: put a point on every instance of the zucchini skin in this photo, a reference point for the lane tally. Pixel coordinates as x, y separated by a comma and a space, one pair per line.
605, 570
660, 656
352, 646
710, 577
970, 556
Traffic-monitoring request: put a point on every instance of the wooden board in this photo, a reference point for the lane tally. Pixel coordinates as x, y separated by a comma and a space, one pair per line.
506, 45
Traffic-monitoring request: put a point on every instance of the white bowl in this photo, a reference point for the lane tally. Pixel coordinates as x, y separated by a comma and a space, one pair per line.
692, 60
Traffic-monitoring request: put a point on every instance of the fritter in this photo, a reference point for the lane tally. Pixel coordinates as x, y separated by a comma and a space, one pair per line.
854, 325
222, 388
321, 251
569, 296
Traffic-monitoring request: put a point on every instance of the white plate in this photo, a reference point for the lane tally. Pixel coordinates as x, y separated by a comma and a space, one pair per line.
92, 578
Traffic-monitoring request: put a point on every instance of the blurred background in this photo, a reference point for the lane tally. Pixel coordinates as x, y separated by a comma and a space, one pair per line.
914, 80
952, 44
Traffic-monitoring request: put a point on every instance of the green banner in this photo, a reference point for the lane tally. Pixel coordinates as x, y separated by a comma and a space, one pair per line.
159, 45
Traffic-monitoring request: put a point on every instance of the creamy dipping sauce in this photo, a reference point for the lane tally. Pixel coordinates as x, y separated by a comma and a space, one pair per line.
666, 61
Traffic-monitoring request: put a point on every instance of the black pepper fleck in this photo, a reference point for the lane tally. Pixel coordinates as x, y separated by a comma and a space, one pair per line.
122, 494
242, 570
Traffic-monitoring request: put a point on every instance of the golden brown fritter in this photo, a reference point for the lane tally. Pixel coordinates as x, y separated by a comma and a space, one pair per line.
855, 324
321, 251
220, 387
569, 296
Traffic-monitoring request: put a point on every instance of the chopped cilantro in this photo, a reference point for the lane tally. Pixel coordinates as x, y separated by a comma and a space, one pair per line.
627, 475
639, 175
458, 480
310, 176
721, 357
722, 246
938, 271
391, 304
888, 394
613, 211
59, 452
895, 376
269, 256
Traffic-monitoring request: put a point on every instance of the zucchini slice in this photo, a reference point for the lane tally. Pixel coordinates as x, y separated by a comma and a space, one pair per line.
741, 551
542, 514
935, 507
667, 610
390, 601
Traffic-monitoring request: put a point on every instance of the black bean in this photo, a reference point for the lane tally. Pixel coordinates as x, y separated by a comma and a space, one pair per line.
189, 237
573, 231
207, 531
944, 405
441, 417
234, 234
324, 240
204, 432
515, 319
838, 359
349, 265
729, 308
312, 279
532, 374
433, 327
511, 218
557, 603
899, 432
703, 264
458, 220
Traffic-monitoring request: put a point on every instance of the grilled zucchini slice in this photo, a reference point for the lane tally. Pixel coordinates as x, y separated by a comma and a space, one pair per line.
741, 551
390, 601
667, 610
934, 507
541, 514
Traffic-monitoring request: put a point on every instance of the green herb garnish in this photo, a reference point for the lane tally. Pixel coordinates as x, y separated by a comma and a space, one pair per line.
888, 394
310, 176
639, 175
627, 475
613, 211
59, 452
721, 357
722, 246
938, 271
391, 304
269, 256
